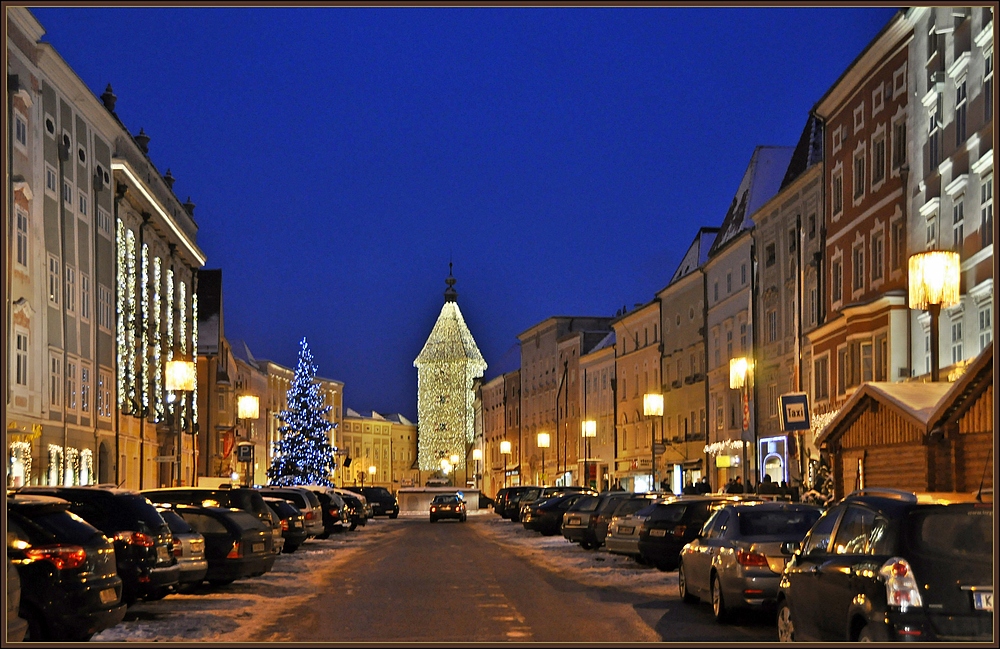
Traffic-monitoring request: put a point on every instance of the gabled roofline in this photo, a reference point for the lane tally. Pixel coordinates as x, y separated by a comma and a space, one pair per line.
970, 382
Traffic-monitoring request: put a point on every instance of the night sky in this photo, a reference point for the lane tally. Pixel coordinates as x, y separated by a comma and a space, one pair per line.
339, 158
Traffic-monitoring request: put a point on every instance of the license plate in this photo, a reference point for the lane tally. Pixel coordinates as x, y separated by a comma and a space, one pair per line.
162, 554
296, 524
626, 530
573, 521
257, 547
657, 532
983, 600
108, 595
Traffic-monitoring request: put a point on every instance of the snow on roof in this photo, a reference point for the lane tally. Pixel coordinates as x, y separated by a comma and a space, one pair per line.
917, 402
697, 253
607, 341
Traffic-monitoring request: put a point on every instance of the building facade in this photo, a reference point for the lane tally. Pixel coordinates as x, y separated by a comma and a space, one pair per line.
598, 404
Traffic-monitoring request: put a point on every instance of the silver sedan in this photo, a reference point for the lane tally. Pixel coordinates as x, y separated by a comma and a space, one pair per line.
736, 561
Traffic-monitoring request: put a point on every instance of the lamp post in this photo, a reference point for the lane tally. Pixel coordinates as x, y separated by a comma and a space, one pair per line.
372, 470
505, 451
248, 407
180, 377
588, 430
543, 443
935, 280
740, 377
652, 406
477, 454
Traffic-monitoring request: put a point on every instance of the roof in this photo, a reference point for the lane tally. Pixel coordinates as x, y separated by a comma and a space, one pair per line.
607, 341
450, 340
915, 402
808, 152
977, 375
697, 253
242, 351
760, 183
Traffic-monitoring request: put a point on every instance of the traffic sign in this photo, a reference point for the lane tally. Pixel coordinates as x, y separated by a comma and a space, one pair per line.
794, 408
244, 452
659, 448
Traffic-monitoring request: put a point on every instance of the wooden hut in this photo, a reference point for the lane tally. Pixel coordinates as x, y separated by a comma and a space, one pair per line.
916, 436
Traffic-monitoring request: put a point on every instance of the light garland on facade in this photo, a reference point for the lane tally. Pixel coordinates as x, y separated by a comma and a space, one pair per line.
818, 423
20, 453
86, 466
182, 325
170, 314
144, 328
725, 446
71, 469
55, 464
446, 367
194, 355
157, 340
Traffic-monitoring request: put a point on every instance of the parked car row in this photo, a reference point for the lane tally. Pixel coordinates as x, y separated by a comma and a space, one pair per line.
83, 554
880, 565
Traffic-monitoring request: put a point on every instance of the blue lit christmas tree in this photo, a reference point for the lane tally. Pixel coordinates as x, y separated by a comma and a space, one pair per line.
304, 454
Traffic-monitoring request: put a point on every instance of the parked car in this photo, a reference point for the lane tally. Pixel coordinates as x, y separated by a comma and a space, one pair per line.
66, 569
498, 501
291, 522
277, 538
546, 516
237, 543
532, 496
245, 498
17, 626
507, 504
447, 506
884, 565
357, 507
580, 522
623, 531
382, 502
335, 515
736, 561
305, 500
189, 549
673, 523
144, 546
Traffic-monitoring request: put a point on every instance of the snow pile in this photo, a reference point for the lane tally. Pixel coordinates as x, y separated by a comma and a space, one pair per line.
597, 568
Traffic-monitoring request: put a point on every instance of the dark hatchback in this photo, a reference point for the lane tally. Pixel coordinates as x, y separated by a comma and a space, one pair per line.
70, 588
144, 545
355, 508
237, 544
885, 565
293, 525
674, 523
546, 516
507, 499
582, 522
382, 502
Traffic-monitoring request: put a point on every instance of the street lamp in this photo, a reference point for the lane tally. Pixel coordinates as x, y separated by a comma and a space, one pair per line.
740, 377
588, 430
505, 451
372, 470
477, 455
180, 377
652, 406
248, 408
935, 280
543, 443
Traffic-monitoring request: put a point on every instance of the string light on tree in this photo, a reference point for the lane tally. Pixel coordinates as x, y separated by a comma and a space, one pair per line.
446, 367
304, 454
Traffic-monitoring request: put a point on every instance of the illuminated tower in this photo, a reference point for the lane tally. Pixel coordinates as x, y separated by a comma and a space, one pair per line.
446, 368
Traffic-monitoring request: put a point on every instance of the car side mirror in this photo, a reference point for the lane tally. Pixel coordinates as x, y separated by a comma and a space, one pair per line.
790, 547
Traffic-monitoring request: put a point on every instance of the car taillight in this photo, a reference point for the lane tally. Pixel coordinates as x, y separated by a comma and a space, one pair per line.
284, 524
235, 552
334, 512
61, 556
679, 531
135, 538
745, 558
309, 515
434, 509
901, 587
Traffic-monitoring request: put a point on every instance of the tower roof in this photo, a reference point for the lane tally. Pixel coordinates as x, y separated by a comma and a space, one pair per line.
451, 340
450, 294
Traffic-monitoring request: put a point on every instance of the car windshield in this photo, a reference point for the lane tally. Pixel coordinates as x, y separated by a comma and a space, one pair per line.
957, 532
138, 507
672, 513
795, 523
530, 494
586, 504
63, 526
176, 524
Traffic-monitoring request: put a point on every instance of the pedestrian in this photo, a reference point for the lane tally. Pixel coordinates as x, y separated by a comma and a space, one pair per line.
690, 489
737, 485
703, 486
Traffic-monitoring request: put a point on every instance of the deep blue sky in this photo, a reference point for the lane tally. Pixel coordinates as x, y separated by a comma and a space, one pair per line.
563, 158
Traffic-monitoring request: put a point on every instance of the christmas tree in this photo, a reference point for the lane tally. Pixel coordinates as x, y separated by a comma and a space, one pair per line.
304, 454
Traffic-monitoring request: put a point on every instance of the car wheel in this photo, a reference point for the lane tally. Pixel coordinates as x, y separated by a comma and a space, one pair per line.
682, 584
393, 515
290, 548
873, 633
786, 627
718, 603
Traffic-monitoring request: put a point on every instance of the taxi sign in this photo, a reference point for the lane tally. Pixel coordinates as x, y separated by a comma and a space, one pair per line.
794, 408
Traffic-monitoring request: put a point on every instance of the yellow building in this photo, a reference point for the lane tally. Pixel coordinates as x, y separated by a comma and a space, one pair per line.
378, 450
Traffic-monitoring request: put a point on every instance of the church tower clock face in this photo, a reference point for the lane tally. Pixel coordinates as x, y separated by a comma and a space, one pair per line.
447, 366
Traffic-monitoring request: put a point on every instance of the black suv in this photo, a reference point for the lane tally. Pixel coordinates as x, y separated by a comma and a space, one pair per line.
144, 545
674, 523
382, 502
884, 564
70, 588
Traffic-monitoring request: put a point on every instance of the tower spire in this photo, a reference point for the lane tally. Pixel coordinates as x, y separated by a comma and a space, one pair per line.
450, 294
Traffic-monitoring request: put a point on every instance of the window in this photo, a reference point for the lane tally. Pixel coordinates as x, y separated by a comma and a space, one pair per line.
85, 390
878, 99
743, 275
50, 179
932, 40
859, 174
837, 192
70, 289
20, 129
843, 374
222, 400
84, 203
71, 386
986, 211
821, 379
21, 345
22, 237
878, 160
715, 290
818, 541
812, 226
878, 256
956, 341
838, 138
836, 281
103, 221
988, 83
854, 531
813, 304
898, 244
772, 326
104, 394
729, 343
729, 283
898, 143
67, 193
859, 117
743, 337
961, 106
55, 282
985, 327
899, 81
791, 240
931, 231
55, 381
882, 357
104, 306
958, 223
85, 296
867, 362
933, 137
720, 418
769, 255
858, 269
